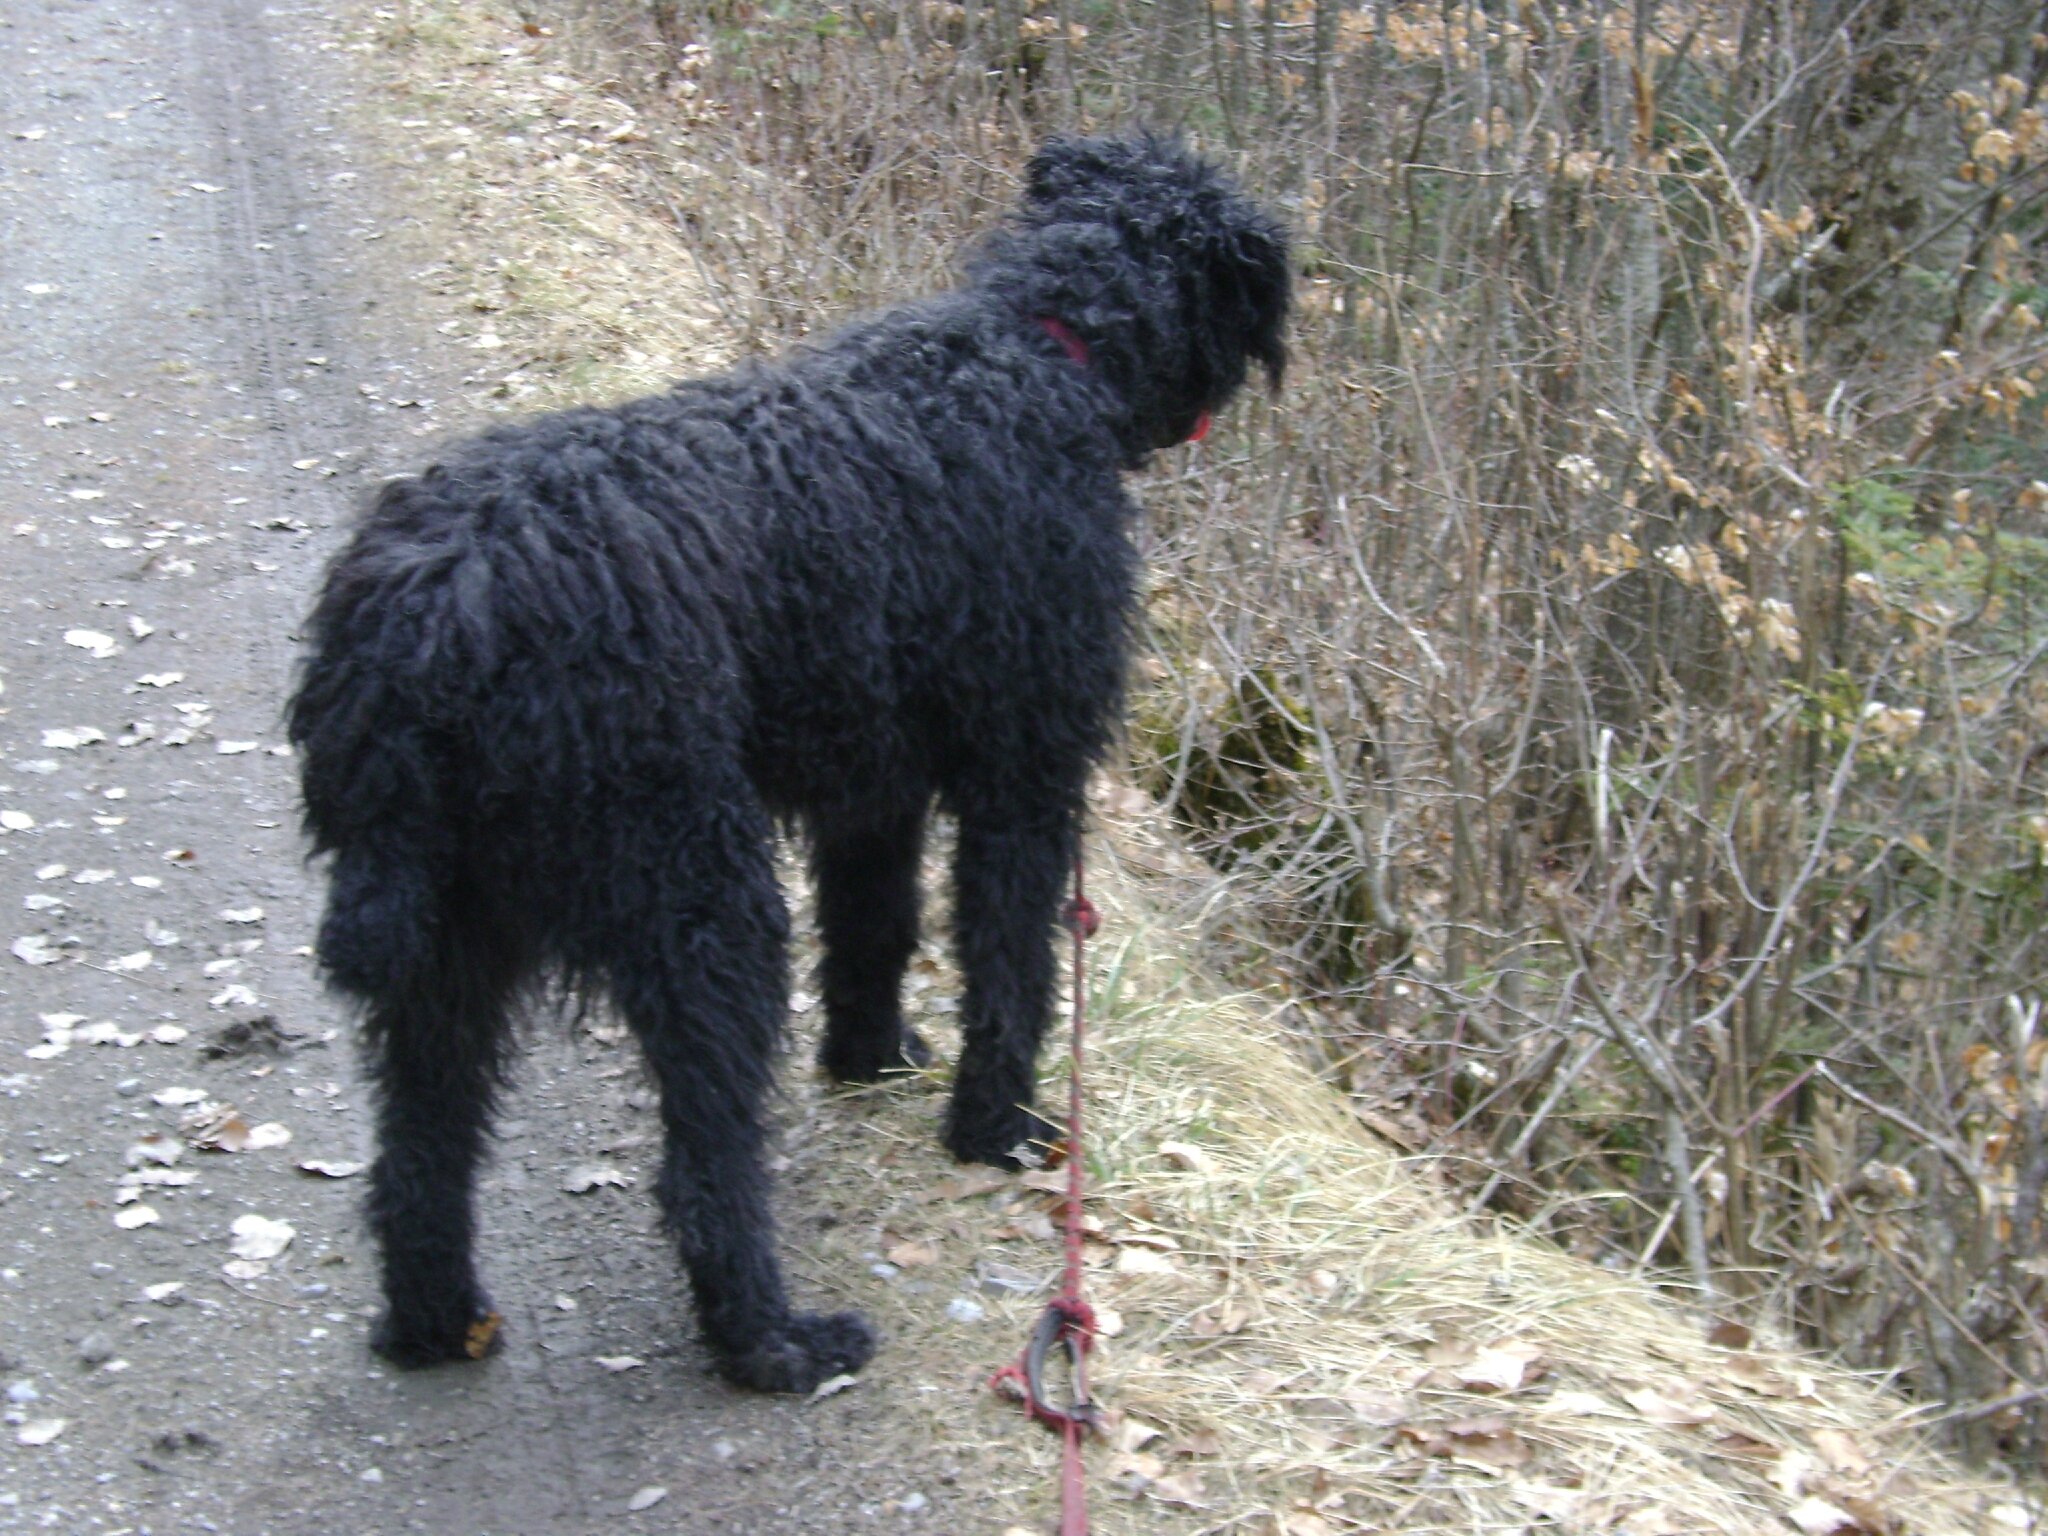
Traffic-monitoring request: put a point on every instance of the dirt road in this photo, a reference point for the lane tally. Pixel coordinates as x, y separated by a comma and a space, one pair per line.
201, 365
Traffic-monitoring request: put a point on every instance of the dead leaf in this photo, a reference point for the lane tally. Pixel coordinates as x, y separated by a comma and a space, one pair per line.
1132, 1434
1588, 1405
1187, 1156
618, 1363
647, 1498
1841, 1452
156, 1147
1792, 1473
1145, 1261
1548, 1500
129, 1217
1728, 1334
40, 1431
832, 1386
481, 1335
329, 1168
258, 1237
1179, 1488
965, 1186
1755, 1375
1817, 1517
92, 642
1503, 1366
909, 1254
581, 1180
1489, 1443
1220, 1319
1676, 1405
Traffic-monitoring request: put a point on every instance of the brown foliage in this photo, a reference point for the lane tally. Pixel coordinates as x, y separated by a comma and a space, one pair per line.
1609, 679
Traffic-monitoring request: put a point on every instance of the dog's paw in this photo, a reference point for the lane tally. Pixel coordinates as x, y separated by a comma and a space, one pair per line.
413, 1342
858, 1061
1014, 1140
810, 1348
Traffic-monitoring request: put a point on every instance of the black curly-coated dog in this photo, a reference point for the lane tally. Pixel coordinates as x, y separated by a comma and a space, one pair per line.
562, 687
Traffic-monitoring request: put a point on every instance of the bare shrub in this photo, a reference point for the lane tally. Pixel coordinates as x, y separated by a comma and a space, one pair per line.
1611, 676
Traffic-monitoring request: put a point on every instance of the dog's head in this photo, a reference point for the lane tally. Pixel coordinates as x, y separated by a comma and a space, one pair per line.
1171, 279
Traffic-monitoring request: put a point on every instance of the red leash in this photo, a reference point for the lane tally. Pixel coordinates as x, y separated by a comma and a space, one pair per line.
1068, 1320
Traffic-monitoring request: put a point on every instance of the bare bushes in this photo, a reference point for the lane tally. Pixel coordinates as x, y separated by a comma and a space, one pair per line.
1612, 674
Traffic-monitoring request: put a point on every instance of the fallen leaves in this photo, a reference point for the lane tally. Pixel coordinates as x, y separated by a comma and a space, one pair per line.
1491, 1443
222, 1128
1506, 1365
583, 1179
912, 1253
258, 1238
329, 1167
965, 1186
95, 644
1142, 1473
1187, 1157
1673, 1404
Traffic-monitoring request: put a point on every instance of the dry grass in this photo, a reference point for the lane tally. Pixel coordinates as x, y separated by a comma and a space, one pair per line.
1302, 1318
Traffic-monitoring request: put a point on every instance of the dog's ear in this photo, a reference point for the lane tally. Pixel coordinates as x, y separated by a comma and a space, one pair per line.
1251, 286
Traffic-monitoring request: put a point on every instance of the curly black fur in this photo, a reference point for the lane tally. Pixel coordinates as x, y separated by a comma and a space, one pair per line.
562, 686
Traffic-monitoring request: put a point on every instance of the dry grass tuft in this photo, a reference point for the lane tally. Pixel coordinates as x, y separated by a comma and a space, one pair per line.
1308, 1338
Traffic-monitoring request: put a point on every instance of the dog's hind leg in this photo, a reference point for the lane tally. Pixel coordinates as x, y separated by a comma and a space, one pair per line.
1010, 869
437, 1049
702, 979
866, 878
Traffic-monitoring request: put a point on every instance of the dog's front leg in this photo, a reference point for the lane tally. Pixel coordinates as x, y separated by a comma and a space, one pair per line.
866, 877
1009, 874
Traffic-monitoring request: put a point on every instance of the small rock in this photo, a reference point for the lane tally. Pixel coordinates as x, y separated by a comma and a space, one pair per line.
965, 1309
1000, 1279
95, 1349
647, 1497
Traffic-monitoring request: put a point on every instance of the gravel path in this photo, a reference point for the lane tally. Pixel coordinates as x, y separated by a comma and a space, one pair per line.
202, 362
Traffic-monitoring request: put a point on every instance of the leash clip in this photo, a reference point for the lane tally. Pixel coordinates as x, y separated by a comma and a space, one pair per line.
1065, 1321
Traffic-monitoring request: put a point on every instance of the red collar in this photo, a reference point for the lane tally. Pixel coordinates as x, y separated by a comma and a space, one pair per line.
1077, 350
1063, 333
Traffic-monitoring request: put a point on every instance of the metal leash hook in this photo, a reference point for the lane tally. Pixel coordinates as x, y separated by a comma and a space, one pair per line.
1065, 1321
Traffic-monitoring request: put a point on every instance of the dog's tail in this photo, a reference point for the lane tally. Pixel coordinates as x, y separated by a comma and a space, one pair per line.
374, 760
